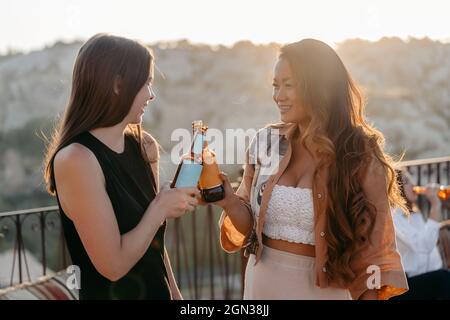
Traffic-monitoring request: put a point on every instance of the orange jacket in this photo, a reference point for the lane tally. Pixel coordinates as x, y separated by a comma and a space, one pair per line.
381, 250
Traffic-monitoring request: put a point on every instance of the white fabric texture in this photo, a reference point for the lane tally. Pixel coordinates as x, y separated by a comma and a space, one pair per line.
417, 243
290, 215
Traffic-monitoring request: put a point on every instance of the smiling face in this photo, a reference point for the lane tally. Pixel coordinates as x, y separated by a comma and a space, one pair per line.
286, 94
141, 101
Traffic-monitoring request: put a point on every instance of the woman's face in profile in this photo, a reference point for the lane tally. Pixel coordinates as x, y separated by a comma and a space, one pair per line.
285, 94
141, 101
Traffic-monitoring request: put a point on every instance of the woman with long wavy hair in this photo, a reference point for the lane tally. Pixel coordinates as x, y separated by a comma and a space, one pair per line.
313, 209
103, 169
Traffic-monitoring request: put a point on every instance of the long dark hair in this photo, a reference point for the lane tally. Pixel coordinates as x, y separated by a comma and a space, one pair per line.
345, 144
101, 61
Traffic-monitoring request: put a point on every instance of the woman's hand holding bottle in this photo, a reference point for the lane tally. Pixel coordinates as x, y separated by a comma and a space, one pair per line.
431, 193
173, 203
230, 198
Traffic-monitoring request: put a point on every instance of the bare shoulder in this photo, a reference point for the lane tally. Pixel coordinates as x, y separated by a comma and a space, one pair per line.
73, 159
77, 171
151, 146
73, 154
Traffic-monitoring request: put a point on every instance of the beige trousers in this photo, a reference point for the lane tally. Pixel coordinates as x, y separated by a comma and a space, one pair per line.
280, 275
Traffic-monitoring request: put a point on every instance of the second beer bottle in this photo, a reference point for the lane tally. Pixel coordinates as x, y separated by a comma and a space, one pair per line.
210, 184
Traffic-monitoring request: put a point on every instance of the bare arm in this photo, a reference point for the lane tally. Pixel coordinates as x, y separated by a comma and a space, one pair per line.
77, 172
236, 220
445, 223
369, 295
435, 209
234, 208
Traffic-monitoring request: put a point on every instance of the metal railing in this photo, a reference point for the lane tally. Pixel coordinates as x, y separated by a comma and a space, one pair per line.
435, 170
28, 232
202, 269
428, 171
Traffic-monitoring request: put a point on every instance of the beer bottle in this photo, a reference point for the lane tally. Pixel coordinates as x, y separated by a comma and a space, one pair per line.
443, 192
210, 184
191, 164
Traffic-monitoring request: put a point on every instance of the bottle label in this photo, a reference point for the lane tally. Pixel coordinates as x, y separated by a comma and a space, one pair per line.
189, 174
197, 149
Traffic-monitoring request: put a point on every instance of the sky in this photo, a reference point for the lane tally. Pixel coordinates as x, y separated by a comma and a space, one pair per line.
27, 25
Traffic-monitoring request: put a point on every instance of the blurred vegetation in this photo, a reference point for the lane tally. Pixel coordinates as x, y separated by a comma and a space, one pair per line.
29, 144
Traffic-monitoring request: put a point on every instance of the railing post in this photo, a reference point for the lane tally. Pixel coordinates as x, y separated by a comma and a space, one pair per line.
44, 252
429, 172
211, 253
448, 172
63, 260
19, 245
244, 261
438, 173
177, 249
194, 239
227, 277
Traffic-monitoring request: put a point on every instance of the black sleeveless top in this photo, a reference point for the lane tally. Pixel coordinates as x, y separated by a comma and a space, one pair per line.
131, 187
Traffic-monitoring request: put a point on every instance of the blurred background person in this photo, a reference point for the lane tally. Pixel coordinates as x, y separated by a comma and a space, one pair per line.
417, 241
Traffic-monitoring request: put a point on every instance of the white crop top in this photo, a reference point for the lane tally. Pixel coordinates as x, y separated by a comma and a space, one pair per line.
290, 215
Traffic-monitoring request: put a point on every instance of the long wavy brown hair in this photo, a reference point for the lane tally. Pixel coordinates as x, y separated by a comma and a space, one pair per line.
101, 61
345, 143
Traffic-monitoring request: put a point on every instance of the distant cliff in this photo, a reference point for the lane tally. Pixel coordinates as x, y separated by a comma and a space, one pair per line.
407, 85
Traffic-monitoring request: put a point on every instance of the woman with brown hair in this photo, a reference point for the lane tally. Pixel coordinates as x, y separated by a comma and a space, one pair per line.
313, 209
103, 169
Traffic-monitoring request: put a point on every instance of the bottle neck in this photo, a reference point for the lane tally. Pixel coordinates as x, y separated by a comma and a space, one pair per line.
197, 145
